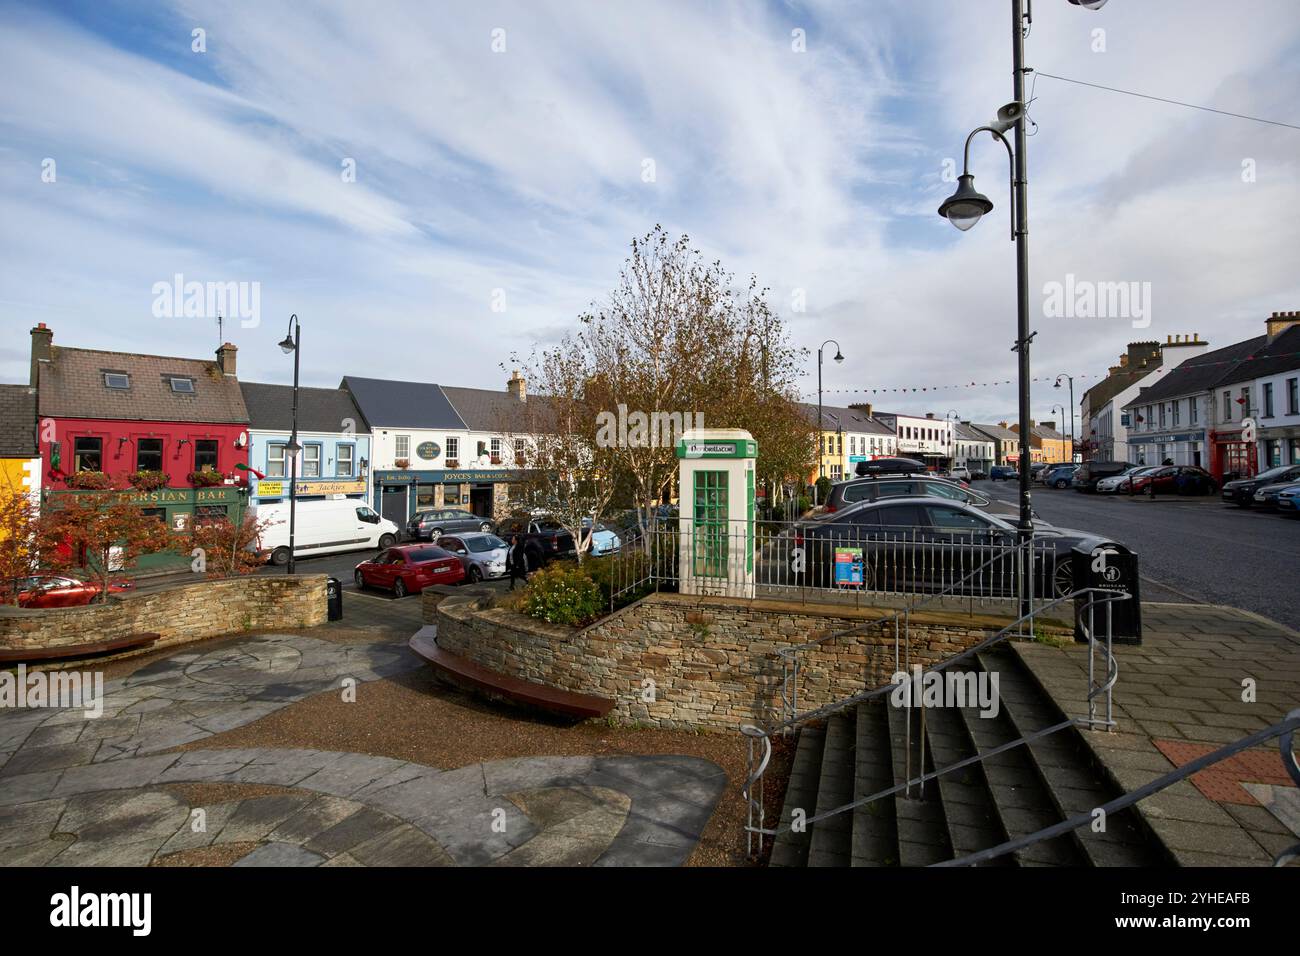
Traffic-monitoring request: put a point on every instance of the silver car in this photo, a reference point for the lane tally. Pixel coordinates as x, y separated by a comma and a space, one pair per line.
482, 555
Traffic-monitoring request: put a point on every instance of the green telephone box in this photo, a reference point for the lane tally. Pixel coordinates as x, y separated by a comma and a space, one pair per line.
716, 516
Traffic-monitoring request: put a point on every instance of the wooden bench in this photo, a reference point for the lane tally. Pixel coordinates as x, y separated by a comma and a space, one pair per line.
466, 673
93, 649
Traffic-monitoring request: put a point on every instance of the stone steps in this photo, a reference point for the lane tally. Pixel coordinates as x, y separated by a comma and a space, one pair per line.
922, 828
791, 847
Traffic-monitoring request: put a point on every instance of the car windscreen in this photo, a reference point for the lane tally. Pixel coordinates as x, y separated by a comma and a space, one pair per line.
426, 554
488, 542
1274, 473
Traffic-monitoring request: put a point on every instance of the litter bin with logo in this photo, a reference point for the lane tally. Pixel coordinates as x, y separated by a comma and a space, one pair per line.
334, 598
1110, 567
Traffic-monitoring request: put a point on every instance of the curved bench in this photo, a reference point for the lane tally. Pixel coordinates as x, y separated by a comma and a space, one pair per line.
466, 673
93, 649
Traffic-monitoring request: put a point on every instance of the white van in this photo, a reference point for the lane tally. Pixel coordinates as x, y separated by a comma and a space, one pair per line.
322, 526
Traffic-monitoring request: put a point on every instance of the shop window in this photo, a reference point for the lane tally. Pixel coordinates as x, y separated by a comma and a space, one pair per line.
424, 497
275, 460
149, 454
343, 460
205, 454
451, 495
159, 513
88, 454
206, 515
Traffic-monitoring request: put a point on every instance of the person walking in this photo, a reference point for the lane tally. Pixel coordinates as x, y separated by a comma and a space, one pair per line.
517, 561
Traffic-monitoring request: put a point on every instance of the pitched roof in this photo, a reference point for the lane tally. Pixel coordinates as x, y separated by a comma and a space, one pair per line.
17, 421
835, 418
71, 385
1200, 373
1280, 355
1051, 434
319, 409
997, 432
968, 432
485, 410
389, 404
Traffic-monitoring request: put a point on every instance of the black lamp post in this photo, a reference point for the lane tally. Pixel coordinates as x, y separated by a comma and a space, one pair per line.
821, 444
291, 343
965, 207
1070, 378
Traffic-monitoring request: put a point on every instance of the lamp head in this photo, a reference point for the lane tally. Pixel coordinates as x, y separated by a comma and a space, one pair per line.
966, 206
838, 356
287, 345
1089, 4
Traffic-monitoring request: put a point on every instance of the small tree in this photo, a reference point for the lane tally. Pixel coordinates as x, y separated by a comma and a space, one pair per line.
226, 549
98, 533
19, 556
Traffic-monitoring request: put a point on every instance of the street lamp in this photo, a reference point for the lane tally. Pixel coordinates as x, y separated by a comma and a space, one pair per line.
292, 342
821, 457
1071, 380
967, 205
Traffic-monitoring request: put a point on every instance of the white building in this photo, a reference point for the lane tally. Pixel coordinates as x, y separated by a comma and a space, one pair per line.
925, 438
972, 449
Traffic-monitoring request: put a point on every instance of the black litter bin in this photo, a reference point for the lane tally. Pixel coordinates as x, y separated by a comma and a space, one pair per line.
334, 598
1109, 567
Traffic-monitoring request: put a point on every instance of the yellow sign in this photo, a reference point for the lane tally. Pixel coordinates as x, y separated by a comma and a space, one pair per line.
271, 488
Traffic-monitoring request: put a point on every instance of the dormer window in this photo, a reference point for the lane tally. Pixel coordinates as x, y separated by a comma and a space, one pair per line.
183, 385
117, 380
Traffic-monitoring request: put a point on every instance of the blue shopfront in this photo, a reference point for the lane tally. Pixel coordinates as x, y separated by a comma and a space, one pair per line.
485, 491
330, 464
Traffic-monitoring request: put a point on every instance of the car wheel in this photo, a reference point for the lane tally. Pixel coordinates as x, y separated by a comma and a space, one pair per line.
280, 557
486, 527
475, 575
399, 588
387, 540
1062, 579
1151, 491
360, 579
435, 534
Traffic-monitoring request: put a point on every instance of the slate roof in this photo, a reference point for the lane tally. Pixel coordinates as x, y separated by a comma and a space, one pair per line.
849, 419
71, 385
997, 432
967, 432
390, 404
1042, 431
1280, 355
270, 407
485, 410
1201, 373
17, 421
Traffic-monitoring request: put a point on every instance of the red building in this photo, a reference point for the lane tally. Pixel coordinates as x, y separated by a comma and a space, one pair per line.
168, 430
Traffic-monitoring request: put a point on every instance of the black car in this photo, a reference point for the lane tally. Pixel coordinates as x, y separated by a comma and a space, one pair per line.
890, 466
846, 493
430, 524
1003, 473
934, 544
1242, 491
1091, 472
1266, 496
543, 536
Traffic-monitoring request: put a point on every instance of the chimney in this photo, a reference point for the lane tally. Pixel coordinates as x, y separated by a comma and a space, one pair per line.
864, 407
1276, 324
517, 387
226, 359
1051, 425
42, 340
929, 414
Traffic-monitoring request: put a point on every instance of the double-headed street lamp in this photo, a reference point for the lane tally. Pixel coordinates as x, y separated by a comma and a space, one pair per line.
821, 442
1070, 378
291, 344
967, 205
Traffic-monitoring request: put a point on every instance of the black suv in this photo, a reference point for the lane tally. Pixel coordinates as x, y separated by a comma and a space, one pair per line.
544, 538
1242, 491
428, 525
847, 493
1091, 472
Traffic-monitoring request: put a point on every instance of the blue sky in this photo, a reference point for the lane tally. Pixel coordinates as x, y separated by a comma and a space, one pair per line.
522, 171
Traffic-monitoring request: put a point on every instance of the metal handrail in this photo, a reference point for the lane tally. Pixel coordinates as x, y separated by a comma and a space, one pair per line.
1285, 729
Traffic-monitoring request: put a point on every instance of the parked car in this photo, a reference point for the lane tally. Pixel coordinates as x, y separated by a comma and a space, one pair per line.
1003, 473
1091, 472
603, 540
1120, 482
960, 473
1242, 491
324, 526
409, 569
46, 590
846, 493
481, 555
933, 544
544, 538
1036, 469
1059, 477
1288, 501
431, 524
1266, 497
1173, 480
889, 466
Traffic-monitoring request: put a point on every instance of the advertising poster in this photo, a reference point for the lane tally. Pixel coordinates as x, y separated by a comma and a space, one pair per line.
848, 567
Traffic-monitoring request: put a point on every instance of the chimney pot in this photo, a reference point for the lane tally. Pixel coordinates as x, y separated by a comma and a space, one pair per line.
42, 343
226, 358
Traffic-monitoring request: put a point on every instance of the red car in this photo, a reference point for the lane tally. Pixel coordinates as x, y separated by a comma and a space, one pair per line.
409, 569
1174, 480
56, 590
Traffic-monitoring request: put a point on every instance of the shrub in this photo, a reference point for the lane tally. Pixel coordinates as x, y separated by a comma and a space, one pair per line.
562, 595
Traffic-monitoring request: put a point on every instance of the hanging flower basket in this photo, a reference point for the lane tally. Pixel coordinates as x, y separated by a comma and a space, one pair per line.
206, 478
402, 463
453, 463
89, 480
147, 480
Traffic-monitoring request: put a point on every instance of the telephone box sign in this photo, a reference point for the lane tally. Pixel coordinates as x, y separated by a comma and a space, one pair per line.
717, 448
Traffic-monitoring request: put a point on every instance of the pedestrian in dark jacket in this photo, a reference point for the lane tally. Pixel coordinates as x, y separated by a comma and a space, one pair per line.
517, 561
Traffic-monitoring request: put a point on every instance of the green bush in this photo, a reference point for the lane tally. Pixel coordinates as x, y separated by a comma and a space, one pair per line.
563, 595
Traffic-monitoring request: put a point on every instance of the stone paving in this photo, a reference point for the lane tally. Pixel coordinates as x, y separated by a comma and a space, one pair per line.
81, 791
1180, 694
